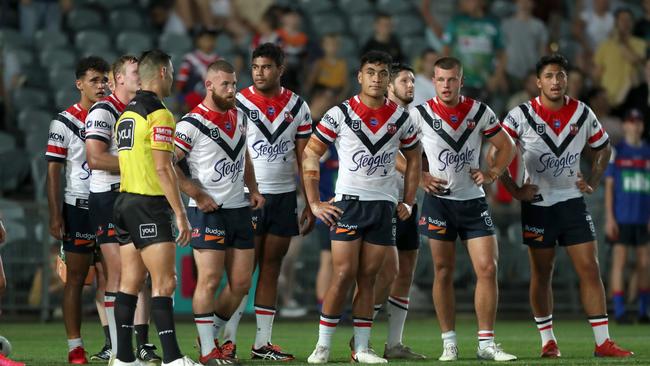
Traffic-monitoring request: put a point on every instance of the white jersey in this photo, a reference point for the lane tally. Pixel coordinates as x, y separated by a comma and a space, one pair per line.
275, 124
99, 126
66, 144
215, 146
551, 144
367, 141
452, 139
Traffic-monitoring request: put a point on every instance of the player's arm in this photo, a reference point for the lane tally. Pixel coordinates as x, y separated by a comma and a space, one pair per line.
99, 157
413, 160
601, 157
504, 152
3, 232
256, 198
169, 184
53, 184
192, 188
611, 226
307, 219
325, 211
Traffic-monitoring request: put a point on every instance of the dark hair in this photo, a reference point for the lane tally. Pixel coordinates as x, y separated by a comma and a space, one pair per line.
448, 63
594, 92
427, 51
376, 57
381, 14
221, 65
271, 51
90, 63
151, 61
118, 65
553, 59
398, 67
622, 10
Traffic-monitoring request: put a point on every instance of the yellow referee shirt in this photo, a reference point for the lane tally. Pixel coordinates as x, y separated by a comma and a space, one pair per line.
145, 125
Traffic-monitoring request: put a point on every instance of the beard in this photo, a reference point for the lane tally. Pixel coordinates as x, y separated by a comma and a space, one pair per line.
406, 98
222, 103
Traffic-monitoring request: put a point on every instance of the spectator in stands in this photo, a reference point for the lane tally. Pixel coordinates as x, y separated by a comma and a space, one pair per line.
424, 89
41, 14
294, 43
434, 31
189, 81
525, 38
195, 14
642, 26
597, 100
619, 59
529, 91
10, 78
598, 22
639, 98
164, 19
475, 39
383, 38
329, 74
576, 84
266, 30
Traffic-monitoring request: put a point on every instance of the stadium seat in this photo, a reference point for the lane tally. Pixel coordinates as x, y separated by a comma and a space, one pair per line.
408, 25
61, 78
175, 43
133, 42
36, 142
356, 6
394, 6
38, 166
362, 26
49, 39
57, 57
25, 57
502, 9
323, 24
413, 46
7, 142
125, 19
84, 18
11, 38
107, 54
15, 168
224, 45
30, 98
92, 39
112, 4
11, 210
31, 120
348, 46
64, 98
35, 76
316, 6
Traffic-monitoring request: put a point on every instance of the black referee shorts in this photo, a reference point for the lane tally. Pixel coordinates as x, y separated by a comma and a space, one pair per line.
143, 220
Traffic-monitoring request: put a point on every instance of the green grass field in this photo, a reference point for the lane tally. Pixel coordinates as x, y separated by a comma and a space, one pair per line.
44, 344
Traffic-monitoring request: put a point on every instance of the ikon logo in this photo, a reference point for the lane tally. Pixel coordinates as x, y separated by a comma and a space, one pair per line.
148, 231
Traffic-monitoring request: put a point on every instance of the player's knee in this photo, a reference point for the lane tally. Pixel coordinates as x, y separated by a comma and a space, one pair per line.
343, 276
487, 270
208, 283
240, 286
165, 286
444, 271
76, 276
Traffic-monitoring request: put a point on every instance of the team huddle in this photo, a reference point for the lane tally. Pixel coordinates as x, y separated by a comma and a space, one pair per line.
236, 155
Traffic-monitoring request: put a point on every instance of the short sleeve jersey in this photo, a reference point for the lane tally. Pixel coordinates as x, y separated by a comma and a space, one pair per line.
452, 138
551, 143
66, 144
275, 124
629, 166
145, 125
215, 146
367, 141
99, 126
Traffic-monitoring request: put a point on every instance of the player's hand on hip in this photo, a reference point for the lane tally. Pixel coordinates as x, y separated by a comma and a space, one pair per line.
480, 177
527, 191
56, 227
257, 200
184, 230
611, 229
206, 203
583, 186
404, 211
307, 221
431, 184
326, 212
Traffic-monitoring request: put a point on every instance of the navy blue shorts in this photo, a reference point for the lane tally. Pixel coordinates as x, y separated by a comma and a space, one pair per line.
406, 235
633, 235
373, 221
221, 229
444, 219
564, 223
101, 216
279, 216
79, 237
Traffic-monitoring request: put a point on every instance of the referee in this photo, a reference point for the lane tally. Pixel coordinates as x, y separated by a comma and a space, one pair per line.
143, 210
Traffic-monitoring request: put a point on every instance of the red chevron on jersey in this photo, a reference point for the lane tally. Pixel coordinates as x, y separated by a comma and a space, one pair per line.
374, 118
272, 108
556, 120
454, 116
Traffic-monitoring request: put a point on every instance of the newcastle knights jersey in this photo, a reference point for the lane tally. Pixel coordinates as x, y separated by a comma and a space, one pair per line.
367, 141
275, 124
66, 144
452, 139
99, 125
215, 148
552, 143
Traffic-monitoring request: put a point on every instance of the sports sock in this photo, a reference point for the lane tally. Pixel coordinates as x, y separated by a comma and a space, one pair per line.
74, 343
644, 301
485, 338
141, 334
362, 327
326, 329
545, 327
124, 313
376, 310
218, 322
619, 304
109, 307
162, 312
107, 336
230, 330
205, 325
264, 317
398, 308
600, 326
448, 338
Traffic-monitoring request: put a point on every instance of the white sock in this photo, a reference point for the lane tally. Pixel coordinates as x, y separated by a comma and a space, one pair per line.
485, 338
74, 343
398, 308
362, 327
376, 311
600, 326
449, 338
109, 307
264, 318
204, 325
217, 323
545, 327
326, 329
230, 330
